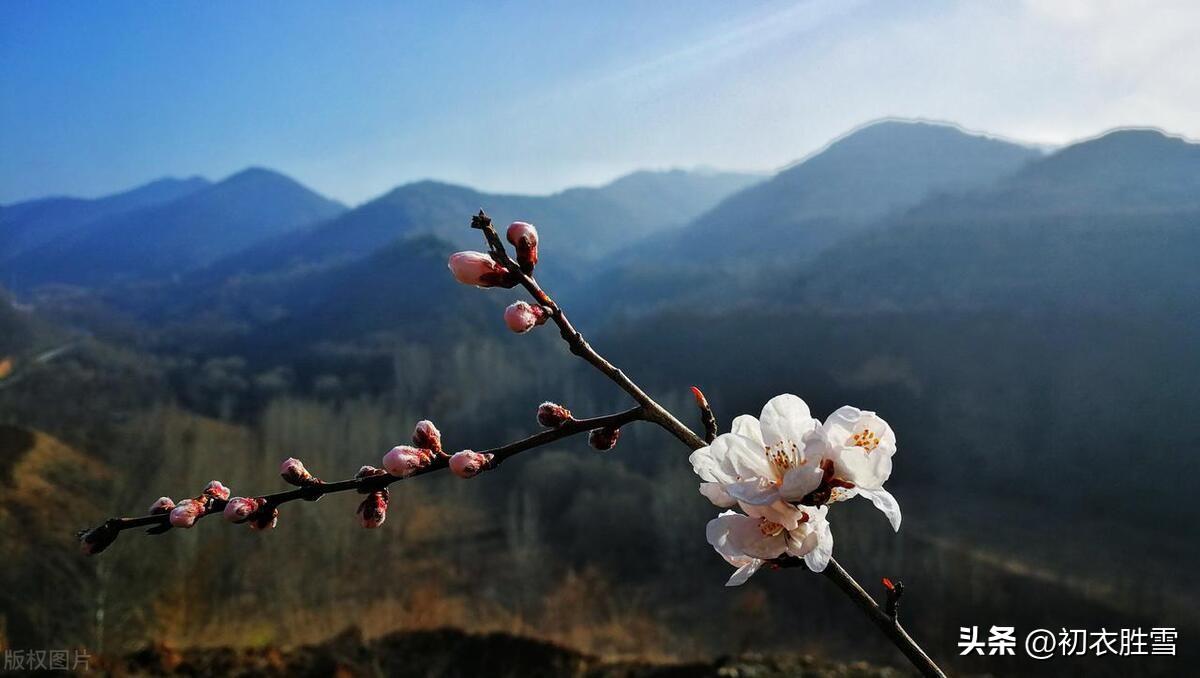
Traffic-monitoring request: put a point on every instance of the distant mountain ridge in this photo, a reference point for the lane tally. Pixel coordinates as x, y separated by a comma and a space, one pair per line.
777, 227
29, 224
170, 238
581, 223
862, 176
1109, 224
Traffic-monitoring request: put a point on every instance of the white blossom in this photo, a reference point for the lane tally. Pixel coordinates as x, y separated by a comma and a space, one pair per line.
746, 541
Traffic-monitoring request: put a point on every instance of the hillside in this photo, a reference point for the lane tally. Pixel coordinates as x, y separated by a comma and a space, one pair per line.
46, 490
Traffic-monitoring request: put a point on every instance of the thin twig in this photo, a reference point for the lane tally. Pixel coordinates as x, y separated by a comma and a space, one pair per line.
373, 483
706, 415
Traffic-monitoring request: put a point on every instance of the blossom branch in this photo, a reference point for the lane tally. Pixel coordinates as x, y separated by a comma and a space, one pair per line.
578, 345
522, 274
104, 534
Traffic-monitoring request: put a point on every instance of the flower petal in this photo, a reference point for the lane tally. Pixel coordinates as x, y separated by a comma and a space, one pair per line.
736, 536
781, 512
885, 502
818, 558
747, 426
867, 470
757, 491
785, 419
799, 481
744, 572
730, 458
717, 495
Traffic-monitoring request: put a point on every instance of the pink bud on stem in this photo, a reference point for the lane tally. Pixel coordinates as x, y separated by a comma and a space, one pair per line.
373, 510
239, 509
215, 490
369, 472
402, 461
552, 415
468, 463
479, 269
522, 317
186, 513
524, 237
604, 438
426, 436
162, 505
293, 473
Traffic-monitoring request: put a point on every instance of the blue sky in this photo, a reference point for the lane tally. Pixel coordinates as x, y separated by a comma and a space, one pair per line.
355, 98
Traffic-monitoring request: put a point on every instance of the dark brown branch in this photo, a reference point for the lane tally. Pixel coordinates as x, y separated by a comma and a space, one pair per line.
578, 345
160, 521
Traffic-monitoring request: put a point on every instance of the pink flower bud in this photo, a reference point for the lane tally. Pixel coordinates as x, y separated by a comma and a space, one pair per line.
373, 510
468, 464
522, 317
604, 438
186, 513
216, 490
426, 436
552, 415
403, 461
239, 509
478, 269
162, 505
369, 472
293, 472
524, 237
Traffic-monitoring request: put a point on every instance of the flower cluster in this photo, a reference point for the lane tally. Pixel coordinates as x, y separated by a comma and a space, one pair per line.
783, 470
483, 270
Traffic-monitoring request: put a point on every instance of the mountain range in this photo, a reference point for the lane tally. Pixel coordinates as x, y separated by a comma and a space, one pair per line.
894, 214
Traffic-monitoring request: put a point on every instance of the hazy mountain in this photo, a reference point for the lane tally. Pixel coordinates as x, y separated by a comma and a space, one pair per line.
26, 225
877, 169
1107, 224
773, 228
168, 239
579, 222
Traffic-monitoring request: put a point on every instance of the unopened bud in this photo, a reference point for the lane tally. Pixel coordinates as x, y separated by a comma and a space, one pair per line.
478, 269
96, 540
468, 464
522, 317
552, 415
162, 505
239, 509
426, 436
265, 518
403, 461
373, 510
369, 472
293, 473
524, 237
186, 513
216, 490
604, 438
